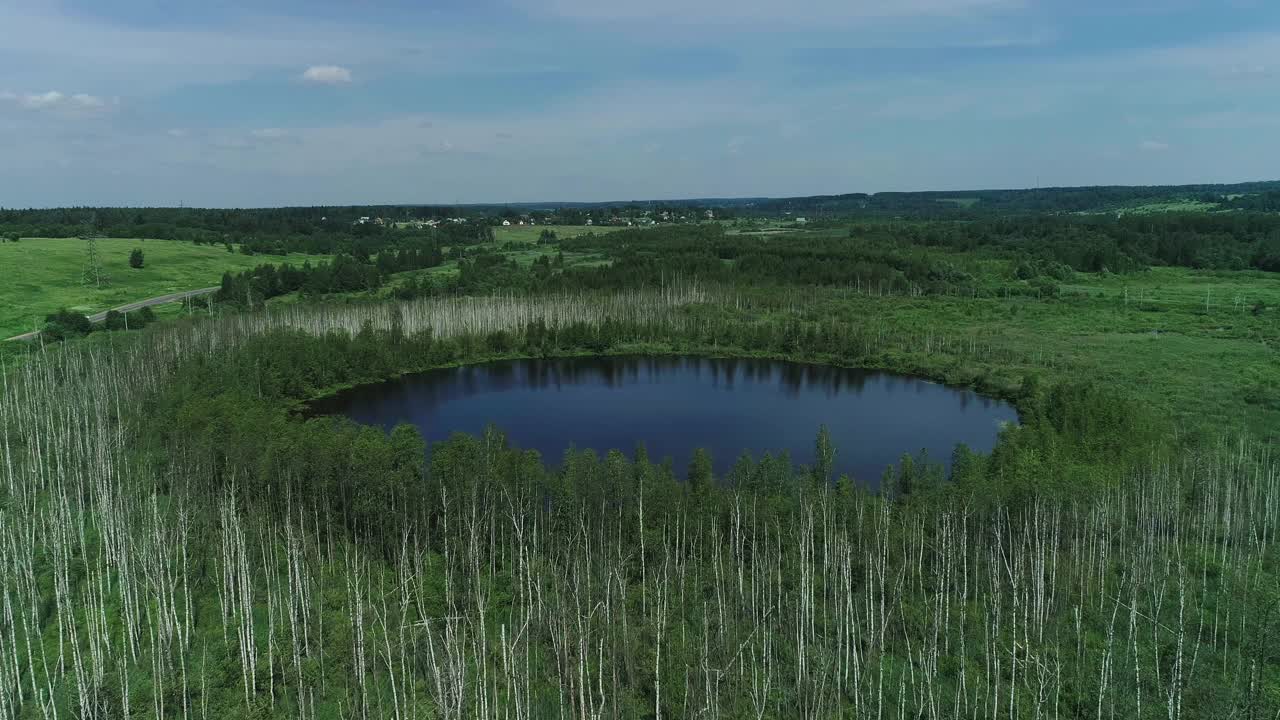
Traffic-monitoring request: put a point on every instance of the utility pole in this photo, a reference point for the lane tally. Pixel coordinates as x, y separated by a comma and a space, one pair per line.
93, 273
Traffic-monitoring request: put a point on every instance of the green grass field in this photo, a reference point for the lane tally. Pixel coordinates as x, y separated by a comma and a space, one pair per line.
531, 233
42, 275
1173, 206
1166, 206
1210, 367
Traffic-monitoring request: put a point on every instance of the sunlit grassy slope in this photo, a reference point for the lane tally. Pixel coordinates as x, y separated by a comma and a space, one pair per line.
41, 275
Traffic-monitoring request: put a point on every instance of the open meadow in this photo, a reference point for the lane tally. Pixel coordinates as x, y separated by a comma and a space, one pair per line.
531, 233
1208, 369
42, 275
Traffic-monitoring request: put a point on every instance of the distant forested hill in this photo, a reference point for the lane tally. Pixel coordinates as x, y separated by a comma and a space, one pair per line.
316, 229
1253, 196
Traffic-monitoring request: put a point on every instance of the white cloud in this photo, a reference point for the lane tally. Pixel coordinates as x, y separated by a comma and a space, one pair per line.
176, 132
269, 133
55, 101
1153, 146
327, 75
42, 100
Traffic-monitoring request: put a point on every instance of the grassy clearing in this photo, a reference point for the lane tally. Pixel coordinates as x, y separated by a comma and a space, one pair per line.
1154, 208
1183, 289
42, 275
1174, 206
531, 233
1211, 368
758, 227
767, 232
1189, 339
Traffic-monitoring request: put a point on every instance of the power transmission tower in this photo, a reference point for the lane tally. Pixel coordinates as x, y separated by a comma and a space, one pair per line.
93, 272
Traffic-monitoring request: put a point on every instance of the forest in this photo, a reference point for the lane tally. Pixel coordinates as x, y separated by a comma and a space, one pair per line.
977, 203
1037, 255
181, 535
331, 229
276, 231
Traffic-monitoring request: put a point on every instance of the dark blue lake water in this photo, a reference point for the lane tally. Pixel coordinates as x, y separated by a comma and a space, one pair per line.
674, 405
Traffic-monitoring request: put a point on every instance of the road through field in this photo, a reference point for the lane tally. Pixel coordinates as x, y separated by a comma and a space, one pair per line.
130, 307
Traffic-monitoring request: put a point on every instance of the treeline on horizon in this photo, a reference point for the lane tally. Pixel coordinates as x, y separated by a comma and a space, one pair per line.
278, 231
1261, 196
214, 225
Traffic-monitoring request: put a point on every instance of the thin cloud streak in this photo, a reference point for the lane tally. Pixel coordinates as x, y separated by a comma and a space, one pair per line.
327, 75
55, 101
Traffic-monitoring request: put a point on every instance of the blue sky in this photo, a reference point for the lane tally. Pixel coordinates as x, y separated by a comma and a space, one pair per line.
152, 102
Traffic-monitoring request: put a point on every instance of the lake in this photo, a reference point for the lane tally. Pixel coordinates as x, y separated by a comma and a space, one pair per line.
676, 404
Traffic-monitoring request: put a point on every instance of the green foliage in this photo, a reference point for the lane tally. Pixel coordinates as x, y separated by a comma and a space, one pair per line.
700, 475
344, 274
114, 321
136, 259
825, 452
64, 324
